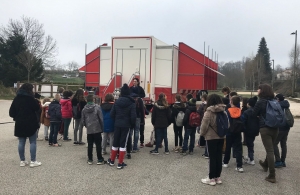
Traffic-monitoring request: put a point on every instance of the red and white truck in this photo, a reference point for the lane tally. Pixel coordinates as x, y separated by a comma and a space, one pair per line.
160, 68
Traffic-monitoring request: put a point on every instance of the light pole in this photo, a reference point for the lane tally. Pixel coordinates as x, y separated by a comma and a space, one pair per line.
273, 75
294, 68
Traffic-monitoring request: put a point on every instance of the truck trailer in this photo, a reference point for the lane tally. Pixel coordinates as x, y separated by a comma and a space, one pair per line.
161, 68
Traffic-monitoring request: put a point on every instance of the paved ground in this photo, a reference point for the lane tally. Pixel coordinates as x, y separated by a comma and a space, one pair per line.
65, 171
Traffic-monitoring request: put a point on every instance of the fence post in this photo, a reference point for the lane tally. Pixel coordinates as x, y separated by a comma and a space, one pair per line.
51, 89
18, 85
34, 88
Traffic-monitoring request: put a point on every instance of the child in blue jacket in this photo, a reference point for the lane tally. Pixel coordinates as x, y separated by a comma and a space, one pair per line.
108, 131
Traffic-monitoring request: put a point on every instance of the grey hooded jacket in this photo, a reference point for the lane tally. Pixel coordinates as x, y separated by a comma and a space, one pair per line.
92, 118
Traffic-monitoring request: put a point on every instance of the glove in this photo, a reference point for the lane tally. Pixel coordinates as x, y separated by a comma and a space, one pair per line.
198, 130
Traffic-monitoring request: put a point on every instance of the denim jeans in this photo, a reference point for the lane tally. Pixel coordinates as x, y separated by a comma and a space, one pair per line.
67, 122
54, 128
161, 133
46, 128
189, 133
104, 141
136, 132
78, 126
21, 147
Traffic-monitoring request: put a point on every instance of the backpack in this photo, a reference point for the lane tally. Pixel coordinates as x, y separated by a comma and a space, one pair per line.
194, 119
222, 124
289, 117
76, 111
237, 125
179, 119
275, 116
46, 112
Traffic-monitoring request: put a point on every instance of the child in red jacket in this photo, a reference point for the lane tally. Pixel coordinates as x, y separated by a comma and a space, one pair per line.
66, 112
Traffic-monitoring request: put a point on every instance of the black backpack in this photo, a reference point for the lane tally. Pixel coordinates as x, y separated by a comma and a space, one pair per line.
237, 125
76, 110
275, 116
222, 124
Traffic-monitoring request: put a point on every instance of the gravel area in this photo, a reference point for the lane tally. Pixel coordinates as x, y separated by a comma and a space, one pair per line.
65, 169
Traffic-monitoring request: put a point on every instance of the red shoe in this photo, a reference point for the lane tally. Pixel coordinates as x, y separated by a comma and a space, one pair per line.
141, 145
149, 145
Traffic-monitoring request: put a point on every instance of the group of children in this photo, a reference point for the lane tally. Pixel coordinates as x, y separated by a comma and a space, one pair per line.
100, 119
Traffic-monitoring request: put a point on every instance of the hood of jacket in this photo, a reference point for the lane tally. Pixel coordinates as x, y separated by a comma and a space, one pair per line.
178, 105
107, 106
124, 101
235, 112
23, 92
159, 105
90, 107
54, 102
46, 104
63, 102
217, 108
192, 108
284, 104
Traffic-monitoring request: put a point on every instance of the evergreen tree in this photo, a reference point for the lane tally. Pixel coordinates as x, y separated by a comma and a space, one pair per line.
11, 70
263, 58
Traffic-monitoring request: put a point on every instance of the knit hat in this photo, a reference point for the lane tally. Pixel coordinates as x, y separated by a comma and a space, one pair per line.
125, 90
252, 101
280, 97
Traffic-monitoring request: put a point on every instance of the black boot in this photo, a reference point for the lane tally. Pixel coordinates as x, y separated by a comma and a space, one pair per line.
264, 165
271, 177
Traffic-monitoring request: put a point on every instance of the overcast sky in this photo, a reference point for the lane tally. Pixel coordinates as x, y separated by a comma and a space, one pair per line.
233, 28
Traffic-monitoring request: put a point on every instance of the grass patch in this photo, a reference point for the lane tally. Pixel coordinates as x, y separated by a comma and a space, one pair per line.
57, 78
7, 93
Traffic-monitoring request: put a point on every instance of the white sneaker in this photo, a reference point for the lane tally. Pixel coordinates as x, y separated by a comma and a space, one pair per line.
23, 163
208, 181
39, 139
246, 159
224, 165
239, 169
250, 162
218, 180
35, 164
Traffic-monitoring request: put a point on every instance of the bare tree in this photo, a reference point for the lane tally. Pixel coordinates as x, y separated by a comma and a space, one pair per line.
39, 46
72, 66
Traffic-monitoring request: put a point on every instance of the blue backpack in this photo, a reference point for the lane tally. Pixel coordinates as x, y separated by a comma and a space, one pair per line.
275, 116
222, 124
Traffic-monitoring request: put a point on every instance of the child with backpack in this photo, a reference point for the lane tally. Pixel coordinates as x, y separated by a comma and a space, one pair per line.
201, 110
251, 130
214, 135
268, 121
92, 119
78, 103
55, 120
178, 111
282, 133
191, 121
45, 117
234, 136
108, 131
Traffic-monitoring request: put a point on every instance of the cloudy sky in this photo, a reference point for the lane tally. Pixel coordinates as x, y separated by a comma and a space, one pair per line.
233, 28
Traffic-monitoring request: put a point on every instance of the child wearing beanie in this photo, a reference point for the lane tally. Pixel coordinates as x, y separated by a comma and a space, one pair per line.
251, 123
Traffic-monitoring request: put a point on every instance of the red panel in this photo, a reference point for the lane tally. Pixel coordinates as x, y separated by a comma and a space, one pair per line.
190, 72
111, 86
166, 91
92, 68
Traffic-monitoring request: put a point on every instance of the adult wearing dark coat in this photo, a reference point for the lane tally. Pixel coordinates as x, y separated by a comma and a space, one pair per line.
24, 110
137, 89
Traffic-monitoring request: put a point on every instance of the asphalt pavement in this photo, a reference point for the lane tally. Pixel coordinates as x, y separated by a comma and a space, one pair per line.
65, 170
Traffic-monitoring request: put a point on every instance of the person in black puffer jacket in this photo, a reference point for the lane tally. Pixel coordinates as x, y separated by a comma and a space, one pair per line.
123, 113
189, 131
161, 119
177, 107
251, 129
55, 120
282, 136
268, 134
24, 110
78, 103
